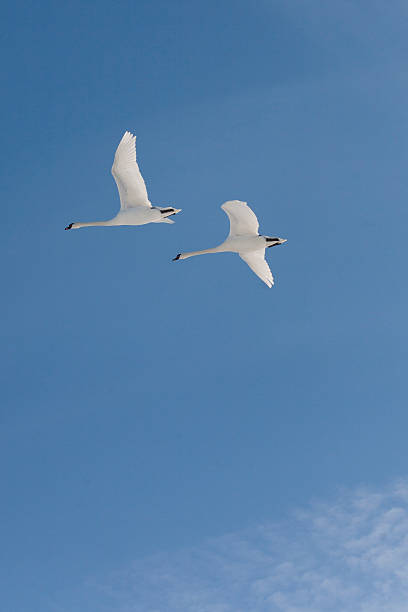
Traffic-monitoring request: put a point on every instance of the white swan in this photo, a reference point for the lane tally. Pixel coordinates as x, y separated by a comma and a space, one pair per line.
135, 207
244, 240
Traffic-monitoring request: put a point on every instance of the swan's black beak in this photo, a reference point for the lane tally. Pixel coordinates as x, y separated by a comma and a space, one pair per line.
176, 257
69, 226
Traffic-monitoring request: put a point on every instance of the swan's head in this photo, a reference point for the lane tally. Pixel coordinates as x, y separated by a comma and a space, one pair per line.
74, 226
270, 242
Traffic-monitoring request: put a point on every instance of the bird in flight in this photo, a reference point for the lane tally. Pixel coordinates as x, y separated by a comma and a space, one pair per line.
135, 207
244, 240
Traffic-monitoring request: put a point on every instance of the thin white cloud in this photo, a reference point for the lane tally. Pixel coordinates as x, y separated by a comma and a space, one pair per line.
349, 555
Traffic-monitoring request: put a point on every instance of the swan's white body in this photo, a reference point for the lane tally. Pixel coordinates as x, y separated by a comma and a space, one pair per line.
135, 207
244, 240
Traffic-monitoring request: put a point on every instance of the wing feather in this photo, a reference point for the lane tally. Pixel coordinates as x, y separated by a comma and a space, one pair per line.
256, 261
243, 221
131, 186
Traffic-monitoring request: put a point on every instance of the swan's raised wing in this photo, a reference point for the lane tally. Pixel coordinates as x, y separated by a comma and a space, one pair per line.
131, 186
256, 261
243, 221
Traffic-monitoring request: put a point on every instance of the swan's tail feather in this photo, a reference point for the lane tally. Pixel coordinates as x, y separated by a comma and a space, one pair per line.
164, 220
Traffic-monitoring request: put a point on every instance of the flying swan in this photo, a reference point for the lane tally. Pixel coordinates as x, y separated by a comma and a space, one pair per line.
135, 207
244, 240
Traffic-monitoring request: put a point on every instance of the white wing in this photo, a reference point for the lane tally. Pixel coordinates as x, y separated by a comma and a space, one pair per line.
131, 186
243, 221
256, 261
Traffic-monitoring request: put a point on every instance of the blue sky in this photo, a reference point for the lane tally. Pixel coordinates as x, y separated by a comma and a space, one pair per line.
149, 406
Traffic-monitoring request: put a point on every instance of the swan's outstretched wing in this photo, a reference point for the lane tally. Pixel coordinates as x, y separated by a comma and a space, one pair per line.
243, 221
256, 261
131, 186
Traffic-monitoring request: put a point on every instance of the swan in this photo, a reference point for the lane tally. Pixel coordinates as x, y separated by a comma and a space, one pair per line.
244, 240
135, 207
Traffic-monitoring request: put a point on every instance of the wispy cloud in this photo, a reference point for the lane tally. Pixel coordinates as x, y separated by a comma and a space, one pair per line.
348, 555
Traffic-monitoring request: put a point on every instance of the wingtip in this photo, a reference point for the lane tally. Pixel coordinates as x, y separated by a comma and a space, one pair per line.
128, 134
234, 202
176, 257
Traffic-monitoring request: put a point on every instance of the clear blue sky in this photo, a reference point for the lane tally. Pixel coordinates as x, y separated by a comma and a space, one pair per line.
149, 405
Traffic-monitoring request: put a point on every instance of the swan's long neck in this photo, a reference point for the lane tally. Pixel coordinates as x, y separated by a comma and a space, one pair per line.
192, 253
91, 223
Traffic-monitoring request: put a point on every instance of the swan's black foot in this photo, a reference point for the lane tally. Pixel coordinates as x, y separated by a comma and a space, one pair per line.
69, 226
176, 257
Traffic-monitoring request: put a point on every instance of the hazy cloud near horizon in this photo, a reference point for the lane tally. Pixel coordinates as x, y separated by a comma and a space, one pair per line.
349, 554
